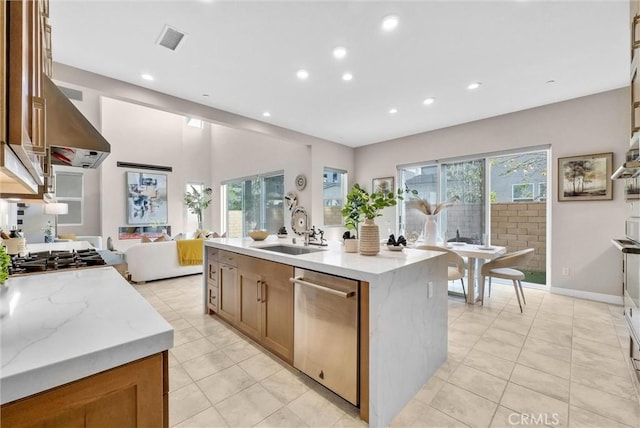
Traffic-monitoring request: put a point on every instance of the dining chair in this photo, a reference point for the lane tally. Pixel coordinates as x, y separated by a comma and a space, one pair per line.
455, 264
503, 267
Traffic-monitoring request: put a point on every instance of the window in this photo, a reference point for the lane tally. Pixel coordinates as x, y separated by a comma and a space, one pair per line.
542, 191
253, 203
69, 189
522, 192
334, 188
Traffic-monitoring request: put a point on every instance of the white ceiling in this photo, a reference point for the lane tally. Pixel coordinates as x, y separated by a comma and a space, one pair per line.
245, 55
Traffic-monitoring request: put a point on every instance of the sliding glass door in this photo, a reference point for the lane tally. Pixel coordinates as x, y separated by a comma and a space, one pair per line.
254, 203
500, 196
438, 182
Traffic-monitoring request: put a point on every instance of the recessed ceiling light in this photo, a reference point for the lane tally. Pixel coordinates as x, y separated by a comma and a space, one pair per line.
474, 85
205, 95
428, 101
340, 52
302, 74
550, 81
266, 114
390, 22
347, 76
393, 111
146, 76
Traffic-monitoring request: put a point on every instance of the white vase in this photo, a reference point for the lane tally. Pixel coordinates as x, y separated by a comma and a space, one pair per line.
431, 230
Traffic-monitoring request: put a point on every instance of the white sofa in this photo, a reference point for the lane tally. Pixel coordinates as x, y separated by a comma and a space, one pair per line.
95, 241
156, 260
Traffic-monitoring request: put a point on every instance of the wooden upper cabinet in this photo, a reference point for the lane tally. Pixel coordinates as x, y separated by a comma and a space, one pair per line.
27, 26
3, 72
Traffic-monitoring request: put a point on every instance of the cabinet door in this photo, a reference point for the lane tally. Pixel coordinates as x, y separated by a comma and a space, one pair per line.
126, 396
249, 299
227, 293
277, 309
3, 72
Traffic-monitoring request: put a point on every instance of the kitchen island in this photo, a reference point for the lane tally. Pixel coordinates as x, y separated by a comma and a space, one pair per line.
81, 345
402, 303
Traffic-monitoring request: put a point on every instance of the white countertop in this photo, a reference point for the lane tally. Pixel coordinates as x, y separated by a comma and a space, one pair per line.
333, 259
59, 327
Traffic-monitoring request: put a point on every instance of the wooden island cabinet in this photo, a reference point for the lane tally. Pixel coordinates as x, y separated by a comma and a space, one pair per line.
401, 328
253, 295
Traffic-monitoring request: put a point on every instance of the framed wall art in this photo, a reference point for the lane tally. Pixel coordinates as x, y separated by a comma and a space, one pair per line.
382, 185
585, 178
146, 198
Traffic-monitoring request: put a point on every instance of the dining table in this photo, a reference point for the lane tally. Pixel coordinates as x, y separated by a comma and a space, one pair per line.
475, 254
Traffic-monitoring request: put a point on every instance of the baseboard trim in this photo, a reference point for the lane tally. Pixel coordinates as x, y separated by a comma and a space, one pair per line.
599, 297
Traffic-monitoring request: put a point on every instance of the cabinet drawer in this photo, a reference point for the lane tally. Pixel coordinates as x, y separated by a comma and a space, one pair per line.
212, 274
228, 258
212, 298
212, 253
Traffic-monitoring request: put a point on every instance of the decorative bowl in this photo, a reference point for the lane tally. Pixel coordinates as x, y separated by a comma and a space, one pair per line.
258, 235
395, 247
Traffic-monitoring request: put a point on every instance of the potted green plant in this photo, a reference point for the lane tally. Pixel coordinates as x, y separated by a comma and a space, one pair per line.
362, 205
5, 262
197, 202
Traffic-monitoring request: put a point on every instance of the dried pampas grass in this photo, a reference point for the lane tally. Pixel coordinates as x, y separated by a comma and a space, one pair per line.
427, 208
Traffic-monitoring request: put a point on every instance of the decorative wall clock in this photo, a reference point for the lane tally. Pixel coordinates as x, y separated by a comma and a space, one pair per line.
299, 220
291, 200
301, 182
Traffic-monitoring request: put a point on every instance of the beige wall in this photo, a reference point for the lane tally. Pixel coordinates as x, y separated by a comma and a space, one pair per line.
579, 232
144, 135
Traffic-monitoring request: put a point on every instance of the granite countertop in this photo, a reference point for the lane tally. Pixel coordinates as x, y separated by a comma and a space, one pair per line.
333, 259
63, 326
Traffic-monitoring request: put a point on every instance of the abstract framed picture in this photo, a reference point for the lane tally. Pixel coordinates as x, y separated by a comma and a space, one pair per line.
585, 178
146, 198
382, 185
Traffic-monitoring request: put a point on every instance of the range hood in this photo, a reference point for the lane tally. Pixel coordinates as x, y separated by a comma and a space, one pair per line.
73, 141
630, 169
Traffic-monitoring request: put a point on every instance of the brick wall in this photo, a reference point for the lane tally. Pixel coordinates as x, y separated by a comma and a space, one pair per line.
520, 225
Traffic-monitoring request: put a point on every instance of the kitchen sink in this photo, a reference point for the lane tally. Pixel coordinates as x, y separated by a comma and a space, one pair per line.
288, 249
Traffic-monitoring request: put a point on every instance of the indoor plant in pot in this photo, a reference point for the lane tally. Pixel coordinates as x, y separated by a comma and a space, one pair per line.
363, 205
197, 202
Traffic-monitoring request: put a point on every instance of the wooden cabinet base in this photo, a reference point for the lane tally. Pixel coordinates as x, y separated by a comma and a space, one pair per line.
132, 395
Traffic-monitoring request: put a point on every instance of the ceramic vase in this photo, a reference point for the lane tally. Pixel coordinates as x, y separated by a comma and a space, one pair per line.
351, 245
48, 239
431, 230
369, 238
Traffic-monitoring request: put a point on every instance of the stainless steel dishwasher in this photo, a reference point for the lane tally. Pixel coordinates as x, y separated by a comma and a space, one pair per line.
325, 345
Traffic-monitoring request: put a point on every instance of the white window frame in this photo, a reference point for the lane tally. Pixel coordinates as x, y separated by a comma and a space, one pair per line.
66, 199
343, 193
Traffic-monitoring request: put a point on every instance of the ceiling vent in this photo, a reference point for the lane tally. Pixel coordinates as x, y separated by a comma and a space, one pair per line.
171, 38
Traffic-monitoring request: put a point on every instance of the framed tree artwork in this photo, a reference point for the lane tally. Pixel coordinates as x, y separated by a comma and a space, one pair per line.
585, 178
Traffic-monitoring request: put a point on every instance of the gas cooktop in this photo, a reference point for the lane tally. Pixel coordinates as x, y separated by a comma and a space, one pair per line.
54, 260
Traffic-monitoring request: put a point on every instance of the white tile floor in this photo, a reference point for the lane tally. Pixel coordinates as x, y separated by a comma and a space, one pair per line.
561, 363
